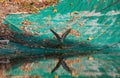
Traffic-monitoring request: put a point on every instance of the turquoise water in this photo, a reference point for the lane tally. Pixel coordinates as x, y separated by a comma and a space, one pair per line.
98, 20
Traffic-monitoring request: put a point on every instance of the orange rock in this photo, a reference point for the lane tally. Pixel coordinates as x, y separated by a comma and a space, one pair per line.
55, 10
56, 76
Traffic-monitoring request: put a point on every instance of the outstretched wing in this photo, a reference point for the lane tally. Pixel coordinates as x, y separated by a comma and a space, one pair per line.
57, 36
65, 34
